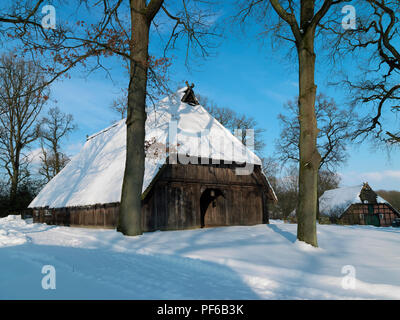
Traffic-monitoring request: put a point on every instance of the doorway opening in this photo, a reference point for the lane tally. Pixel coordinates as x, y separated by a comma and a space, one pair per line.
372, 218
212, 203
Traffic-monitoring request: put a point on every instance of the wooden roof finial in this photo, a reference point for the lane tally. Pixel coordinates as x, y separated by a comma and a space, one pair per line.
189, 96
187, 84
367, 194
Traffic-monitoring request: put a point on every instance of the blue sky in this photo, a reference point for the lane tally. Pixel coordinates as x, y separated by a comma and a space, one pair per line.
243, 74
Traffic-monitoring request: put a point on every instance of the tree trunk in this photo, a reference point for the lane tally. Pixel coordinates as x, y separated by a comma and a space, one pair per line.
14, 181
13, 190
318, 202
130, 219
319, 194
309, 155
57, 165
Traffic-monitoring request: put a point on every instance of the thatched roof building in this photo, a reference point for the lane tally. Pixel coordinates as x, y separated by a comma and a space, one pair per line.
196, 174
357, 205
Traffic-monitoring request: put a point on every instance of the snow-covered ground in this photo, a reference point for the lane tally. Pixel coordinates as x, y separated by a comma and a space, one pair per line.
257, 262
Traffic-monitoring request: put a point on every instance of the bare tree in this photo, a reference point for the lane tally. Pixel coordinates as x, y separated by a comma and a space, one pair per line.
48, 163
286, 187
22, 96
335, 132
120, 105
336, 127
287, 192
142, 15
121, 29
54, 128
376, 38
298, 22
270, 167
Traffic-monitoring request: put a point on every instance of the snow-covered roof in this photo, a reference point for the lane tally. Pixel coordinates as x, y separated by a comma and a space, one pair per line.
336, 201
95, 174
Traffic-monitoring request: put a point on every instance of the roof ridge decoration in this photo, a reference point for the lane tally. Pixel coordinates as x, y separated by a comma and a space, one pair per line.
367, 194
189, 97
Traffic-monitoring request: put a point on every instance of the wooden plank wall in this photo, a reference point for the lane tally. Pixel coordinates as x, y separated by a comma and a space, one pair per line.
97, 216
176, 206
173, 203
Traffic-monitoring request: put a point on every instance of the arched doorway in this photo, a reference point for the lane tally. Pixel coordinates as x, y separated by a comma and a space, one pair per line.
212, 208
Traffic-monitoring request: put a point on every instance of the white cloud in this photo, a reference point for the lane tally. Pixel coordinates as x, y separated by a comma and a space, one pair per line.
33, 156
387, 179
379, 176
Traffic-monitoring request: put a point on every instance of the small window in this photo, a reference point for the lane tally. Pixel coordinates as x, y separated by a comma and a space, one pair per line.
47, 213
361, 216
381, 216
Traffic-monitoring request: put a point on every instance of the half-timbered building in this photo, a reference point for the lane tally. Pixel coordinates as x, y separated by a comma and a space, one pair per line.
357, 205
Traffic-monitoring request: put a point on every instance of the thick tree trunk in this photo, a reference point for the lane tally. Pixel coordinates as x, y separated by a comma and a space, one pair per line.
309, 155
318, 193
14, 181
13, 190
130, 219
318, 203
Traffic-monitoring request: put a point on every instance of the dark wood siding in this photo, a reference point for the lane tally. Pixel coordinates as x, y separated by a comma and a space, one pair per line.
173, 201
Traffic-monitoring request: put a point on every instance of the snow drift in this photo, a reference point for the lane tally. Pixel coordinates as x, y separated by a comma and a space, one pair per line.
241, 262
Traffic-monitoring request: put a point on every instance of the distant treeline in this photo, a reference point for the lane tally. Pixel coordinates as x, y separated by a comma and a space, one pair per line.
27, 190
392, 196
